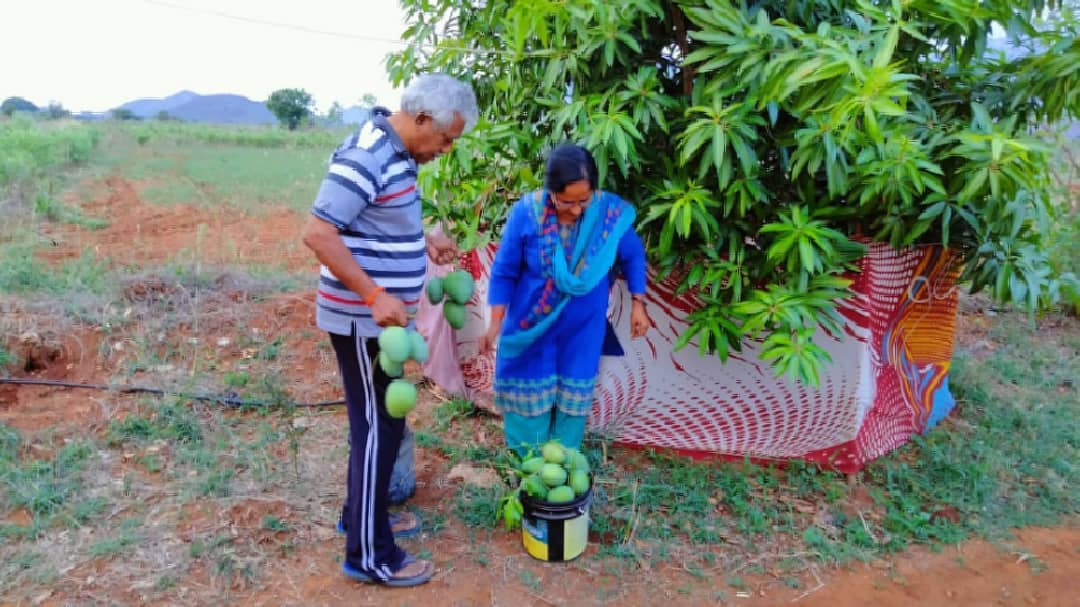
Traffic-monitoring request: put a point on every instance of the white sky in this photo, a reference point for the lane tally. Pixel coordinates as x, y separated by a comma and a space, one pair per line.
97, 54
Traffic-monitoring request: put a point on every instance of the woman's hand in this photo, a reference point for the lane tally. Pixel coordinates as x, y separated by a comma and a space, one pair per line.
639, 320
488, 339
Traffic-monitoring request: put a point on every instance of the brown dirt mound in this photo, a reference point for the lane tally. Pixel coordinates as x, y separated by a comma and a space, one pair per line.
52, 356
233, 335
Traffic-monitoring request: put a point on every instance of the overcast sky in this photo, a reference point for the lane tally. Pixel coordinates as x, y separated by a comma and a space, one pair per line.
97, 54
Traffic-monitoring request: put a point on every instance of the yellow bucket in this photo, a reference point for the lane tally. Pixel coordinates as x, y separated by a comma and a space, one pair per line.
555, 532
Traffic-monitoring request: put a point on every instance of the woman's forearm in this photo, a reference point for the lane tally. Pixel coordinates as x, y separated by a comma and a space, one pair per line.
498, 313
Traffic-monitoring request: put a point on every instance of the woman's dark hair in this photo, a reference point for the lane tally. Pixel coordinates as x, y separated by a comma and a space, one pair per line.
569, 163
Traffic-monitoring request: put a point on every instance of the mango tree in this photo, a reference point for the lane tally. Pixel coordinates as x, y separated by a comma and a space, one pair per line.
765, 142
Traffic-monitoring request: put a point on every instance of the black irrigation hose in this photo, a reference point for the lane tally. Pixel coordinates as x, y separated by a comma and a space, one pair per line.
223, 399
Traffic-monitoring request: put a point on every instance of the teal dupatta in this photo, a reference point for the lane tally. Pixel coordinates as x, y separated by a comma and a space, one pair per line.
603, 225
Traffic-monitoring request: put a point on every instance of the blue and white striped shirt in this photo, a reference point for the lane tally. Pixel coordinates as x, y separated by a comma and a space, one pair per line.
369, 193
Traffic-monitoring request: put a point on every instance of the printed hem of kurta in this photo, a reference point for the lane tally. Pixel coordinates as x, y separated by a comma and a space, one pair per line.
532, 397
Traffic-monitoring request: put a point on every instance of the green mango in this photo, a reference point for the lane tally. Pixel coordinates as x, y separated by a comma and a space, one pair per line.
400, 398
459, 286
535, 486
579, 482
532, 465
395, 342
455, 314
434, 290
553, 452
390, 367
560, 495
576, 460
553, 475
418, 348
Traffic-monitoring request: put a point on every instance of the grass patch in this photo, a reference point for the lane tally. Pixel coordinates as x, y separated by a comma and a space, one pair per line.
1013, 461
21, 274
7, 359
30, 149
54, 210
127, 537
48, 489
478, 506
171, 421
273, 523
206, 170
446, 413
150, 133
1006, 459
254, 179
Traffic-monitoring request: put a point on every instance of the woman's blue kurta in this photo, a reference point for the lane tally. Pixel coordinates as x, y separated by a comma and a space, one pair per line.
557, 370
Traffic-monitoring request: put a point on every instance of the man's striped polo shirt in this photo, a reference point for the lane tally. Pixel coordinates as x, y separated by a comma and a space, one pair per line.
369, 194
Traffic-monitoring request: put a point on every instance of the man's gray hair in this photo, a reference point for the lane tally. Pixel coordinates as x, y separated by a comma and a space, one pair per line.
441, 96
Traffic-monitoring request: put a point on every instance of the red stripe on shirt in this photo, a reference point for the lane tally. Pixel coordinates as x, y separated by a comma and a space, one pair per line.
357, 302
387, 197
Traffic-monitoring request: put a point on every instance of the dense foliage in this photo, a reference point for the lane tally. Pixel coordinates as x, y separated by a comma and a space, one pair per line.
761, 140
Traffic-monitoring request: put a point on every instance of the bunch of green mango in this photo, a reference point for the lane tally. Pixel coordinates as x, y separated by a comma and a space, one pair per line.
453, 291
396, 346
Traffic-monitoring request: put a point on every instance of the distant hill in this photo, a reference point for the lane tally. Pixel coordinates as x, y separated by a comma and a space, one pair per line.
224, 109
149, 108
193, 107
216, 109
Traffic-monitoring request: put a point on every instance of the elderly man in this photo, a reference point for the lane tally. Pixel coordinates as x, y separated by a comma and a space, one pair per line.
366, 230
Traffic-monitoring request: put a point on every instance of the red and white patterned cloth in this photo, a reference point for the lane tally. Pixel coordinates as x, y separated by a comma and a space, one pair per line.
888, 379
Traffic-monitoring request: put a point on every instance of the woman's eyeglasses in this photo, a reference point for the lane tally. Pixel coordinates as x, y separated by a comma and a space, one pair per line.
569, 204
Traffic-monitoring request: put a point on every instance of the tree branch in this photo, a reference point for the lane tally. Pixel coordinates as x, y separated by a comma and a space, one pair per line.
684, 48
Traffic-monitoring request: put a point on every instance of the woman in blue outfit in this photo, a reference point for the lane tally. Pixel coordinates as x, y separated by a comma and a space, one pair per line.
560, 252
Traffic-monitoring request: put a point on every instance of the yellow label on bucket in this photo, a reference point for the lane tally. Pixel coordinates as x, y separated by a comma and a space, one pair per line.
576, 534
535, 539
558, 540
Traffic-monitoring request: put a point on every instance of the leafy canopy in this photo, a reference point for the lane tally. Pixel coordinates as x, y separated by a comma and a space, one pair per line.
759, 140
290, 106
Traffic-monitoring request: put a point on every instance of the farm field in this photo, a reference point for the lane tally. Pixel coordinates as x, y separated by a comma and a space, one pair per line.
169, 256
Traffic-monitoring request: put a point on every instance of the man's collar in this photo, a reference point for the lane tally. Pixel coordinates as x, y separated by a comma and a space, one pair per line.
379, 115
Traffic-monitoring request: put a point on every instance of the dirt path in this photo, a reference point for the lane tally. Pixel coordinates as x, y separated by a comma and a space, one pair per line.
1039, 567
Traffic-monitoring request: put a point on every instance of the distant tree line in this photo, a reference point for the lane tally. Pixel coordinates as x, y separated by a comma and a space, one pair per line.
294, 108
53, 111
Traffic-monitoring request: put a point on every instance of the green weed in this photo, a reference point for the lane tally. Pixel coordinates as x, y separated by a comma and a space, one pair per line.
171, 421
20, 273
477, 506
127, 536
7, 359
453, 409
273, 523
30, 149
44, 487
54, 210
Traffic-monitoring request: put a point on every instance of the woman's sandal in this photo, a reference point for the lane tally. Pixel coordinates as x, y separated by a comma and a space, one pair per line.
402, 524
396, 579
